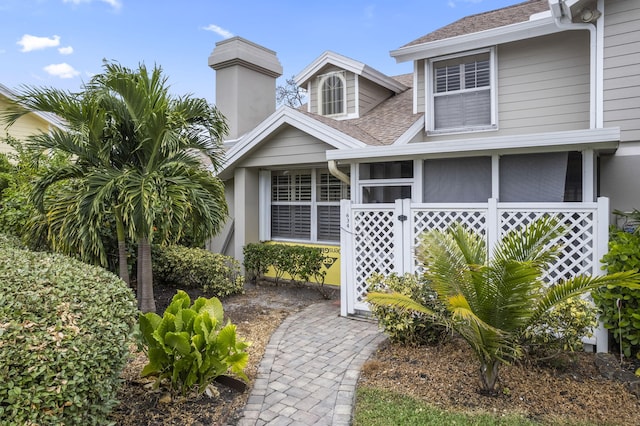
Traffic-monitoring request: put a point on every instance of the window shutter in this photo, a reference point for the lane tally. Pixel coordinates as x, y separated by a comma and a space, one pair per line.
329, 223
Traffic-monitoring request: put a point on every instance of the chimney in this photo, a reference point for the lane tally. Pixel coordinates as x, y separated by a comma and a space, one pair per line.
245, 83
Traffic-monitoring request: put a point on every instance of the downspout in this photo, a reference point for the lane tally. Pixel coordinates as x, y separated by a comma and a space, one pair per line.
333, 169
562, 17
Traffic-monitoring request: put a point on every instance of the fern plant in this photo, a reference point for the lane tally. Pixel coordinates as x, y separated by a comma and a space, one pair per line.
190, 345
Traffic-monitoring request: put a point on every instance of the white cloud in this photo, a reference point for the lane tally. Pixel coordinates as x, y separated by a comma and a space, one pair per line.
30, 42
116, 4
218, 30
65, 50
62, 70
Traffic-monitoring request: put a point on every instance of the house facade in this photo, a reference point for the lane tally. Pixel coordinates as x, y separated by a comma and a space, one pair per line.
28, 125
529, 110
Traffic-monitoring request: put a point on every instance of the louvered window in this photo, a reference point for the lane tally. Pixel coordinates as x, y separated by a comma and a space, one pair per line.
462, 93
305, 205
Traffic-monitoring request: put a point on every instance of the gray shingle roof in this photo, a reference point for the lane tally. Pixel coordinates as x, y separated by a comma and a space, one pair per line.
485, 21
382, 125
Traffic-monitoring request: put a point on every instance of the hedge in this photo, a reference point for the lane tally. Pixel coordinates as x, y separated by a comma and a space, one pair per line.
64, 335
186, 267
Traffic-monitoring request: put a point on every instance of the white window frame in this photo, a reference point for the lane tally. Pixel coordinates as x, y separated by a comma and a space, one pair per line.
266, 203
431, 92
380, 182
321, 79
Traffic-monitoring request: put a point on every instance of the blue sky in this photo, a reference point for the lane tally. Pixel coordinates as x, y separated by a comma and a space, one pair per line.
61, 43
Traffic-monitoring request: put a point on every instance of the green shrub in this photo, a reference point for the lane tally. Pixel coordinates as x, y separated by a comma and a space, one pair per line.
64, 333
561, 328
189, 344
9, 241
289, 261
186, 267
624, 323
258, 257
404, 326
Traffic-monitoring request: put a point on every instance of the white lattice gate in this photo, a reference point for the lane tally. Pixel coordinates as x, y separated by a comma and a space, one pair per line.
382, 238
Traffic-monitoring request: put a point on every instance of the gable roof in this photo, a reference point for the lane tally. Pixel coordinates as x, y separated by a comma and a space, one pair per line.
525, 20
52, 119
485, 21
286, 116
385, 124
351, 65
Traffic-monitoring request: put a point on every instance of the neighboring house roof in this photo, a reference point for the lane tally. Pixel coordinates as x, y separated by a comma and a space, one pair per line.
386, 123
485, 21
356, 67
48, 117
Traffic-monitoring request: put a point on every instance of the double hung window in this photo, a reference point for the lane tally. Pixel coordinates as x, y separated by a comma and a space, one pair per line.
462, 93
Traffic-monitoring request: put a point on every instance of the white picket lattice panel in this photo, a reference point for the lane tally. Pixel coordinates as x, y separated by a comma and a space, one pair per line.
373, 248
577, 255
429, 219
383, 239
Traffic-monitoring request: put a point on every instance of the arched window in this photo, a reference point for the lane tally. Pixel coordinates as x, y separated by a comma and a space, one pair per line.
332, 94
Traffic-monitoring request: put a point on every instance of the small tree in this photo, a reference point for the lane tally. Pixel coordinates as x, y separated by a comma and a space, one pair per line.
291, 94
490, 302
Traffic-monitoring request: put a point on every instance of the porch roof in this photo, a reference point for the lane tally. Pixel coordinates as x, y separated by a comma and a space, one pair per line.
604, 139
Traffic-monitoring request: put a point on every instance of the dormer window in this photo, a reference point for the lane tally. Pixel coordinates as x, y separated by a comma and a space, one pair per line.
462, 93
332, 97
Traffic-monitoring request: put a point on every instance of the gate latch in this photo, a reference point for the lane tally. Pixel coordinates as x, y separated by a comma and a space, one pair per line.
402, 218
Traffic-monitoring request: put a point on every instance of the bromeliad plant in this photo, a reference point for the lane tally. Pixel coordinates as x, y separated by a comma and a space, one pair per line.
491, 301
190, 345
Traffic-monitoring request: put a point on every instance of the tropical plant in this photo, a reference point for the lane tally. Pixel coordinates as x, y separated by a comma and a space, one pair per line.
491, 301
141, 156
402, 326
619, 306
190, 345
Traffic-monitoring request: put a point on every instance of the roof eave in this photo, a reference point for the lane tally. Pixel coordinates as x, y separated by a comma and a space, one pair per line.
505, 34
285, 115
350, 65
601, 139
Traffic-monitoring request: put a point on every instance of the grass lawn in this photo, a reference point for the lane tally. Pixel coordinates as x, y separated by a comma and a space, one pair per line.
375, 407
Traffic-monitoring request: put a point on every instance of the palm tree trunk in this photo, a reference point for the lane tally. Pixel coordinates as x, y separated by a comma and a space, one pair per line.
489, 374
146, 302
123, 265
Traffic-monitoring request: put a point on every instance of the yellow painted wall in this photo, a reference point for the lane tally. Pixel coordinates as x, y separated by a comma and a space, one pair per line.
331, 262
26, 126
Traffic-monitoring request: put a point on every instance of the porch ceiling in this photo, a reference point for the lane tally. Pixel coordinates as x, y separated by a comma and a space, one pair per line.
606, 139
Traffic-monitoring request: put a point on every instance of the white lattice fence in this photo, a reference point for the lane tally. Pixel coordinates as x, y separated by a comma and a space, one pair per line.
374, 248
425, 218
578, 253
382, 239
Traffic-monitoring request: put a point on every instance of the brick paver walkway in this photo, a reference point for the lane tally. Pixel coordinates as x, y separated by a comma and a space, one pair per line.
310, 368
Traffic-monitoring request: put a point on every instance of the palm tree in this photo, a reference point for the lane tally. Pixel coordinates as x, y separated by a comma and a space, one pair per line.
165, 185
491, 301
72, 222
139, 154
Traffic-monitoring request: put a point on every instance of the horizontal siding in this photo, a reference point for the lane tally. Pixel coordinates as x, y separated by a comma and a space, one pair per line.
286, 147
26, 126
622, 67
535, 77
543, 86
371, 94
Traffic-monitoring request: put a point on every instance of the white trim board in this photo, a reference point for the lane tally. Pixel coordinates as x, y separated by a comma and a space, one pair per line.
607, 138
